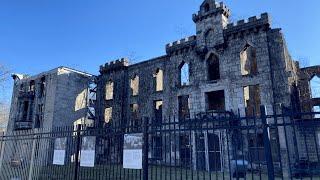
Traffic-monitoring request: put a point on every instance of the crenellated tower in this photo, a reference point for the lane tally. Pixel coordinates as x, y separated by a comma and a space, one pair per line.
211, 20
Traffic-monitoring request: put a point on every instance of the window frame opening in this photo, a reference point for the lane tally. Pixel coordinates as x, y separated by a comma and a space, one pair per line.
184, 74
184, 107
134, 114
158, 111
252, 99
206, 7
213, 68
31, 86
212, 98
315, 86
248, 64
158, 80
109, 90
134, 85
108, 115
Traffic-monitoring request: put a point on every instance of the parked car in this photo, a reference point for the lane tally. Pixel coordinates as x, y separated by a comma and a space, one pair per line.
239, 167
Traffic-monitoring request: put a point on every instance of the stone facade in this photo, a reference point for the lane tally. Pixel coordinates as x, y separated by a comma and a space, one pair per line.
216, 40
223, 67
51, 99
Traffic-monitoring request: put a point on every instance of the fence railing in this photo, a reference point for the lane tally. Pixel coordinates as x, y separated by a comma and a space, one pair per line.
211, 145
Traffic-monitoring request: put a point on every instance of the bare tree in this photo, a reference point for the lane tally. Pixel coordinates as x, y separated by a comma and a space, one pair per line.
304, 62
4, 73
4, 104
4, 116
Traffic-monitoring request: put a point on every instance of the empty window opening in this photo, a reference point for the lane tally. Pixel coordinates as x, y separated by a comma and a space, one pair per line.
109, 90
215, 100
252, 100
248, 61
256, 147
40, 108
184, 112
81, 100
214, 152
206, 8
134, 84
316, 109
213, 68
184, 74
42, 86
25, 110
31, 86
295, 98
315, 87
200, 151
37, 123
158, 77
134, 108
210, 38
158, 111
157, 147
185, 150
108, 115
21, 88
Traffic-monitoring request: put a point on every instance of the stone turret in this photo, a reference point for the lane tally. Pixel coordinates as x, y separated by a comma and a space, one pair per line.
211, 20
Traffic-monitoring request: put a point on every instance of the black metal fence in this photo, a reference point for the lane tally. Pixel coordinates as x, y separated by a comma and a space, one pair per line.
211, 145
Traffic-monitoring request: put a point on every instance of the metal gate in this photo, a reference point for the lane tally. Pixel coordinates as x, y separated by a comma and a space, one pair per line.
211, 145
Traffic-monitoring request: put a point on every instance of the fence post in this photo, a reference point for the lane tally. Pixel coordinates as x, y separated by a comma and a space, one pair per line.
78, 143
145, 163
34, 142
267, 146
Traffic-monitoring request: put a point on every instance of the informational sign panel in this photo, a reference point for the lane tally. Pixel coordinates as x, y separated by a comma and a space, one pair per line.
87, 151
132, 151
59, 152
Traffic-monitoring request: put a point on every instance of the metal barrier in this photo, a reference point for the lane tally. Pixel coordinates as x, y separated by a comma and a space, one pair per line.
212, 145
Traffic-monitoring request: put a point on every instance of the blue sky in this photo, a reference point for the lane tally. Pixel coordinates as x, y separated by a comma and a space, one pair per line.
38, 35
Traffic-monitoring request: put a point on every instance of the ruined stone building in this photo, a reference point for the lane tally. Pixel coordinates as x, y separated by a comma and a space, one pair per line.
58, 97
225, 66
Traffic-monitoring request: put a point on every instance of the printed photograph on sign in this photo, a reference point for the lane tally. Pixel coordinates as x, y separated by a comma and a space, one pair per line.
132, 151
87, 154
59, 152
133, 141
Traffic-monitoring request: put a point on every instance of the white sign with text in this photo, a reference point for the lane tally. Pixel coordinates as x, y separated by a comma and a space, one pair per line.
59, 152
132, 151
87, 153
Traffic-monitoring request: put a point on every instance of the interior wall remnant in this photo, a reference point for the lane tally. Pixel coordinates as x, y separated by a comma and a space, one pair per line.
184, 74
109, 90
315, 87
213, 68
108, 115
134, 85
184, 110
158, 76
158, 111
248, 62
252, 99
215, 100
